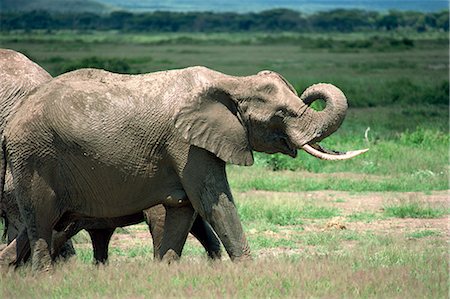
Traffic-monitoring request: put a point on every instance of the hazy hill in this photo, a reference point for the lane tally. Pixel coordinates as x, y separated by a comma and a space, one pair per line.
54, 6
306, 6
259, 5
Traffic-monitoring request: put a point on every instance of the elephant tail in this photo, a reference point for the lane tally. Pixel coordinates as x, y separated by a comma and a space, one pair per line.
2, 186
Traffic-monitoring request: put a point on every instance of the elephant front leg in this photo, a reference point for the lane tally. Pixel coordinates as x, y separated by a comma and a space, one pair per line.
207, 188
219, 210
223, 217
177, 224
204, 233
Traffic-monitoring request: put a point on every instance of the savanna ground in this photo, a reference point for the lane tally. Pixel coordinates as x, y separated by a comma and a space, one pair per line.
374, 226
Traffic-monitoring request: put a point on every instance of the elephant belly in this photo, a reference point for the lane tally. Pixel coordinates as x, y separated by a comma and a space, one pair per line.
99, 190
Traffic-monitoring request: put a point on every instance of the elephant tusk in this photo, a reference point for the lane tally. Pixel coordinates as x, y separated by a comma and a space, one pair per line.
333, 156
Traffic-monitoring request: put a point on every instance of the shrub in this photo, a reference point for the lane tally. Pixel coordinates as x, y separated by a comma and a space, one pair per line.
413, 210
109, 64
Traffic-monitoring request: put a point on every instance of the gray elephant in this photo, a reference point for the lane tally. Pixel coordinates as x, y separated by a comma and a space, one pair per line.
19, 77
91, 143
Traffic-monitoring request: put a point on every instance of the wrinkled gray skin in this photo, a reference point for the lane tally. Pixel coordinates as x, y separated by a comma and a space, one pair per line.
91, 143
19, 77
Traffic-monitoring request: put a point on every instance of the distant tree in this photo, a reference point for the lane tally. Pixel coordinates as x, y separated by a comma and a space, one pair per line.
389, 21
120, 20
280, 20
442, 20
36, 20
271, 20
343, 20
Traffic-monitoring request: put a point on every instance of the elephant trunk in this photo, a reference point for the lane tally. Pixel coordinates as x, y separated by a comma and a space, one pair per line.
321, 124
331, 117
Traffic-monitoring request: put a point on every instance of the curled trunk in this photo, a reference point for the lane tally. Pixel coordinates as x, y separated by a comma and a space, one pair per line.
323, 123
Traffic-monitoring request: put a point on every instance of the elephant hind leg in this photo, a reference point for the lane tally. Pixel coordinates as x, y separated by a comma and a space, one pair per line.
100, 241
17, 251
177, 224
155, 217
37, 204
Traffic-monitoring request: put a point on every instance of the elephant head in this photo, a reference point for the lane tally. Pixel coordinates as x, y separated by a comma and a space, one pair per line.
234, 115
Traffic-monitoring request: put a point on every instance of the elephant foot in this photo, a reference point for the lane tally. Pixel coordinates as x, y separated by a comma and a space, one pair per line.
67, 251
215, 255
8, 255
41, 260
170, 257
242, 259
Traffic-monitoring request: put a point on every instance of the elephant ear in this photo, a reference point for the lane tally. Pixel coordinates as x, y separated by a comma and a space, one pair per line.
211, 120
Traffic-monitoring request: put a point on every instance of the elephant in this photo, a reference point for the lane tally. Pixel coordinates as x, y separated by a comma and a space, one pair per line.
94, 144
19, 77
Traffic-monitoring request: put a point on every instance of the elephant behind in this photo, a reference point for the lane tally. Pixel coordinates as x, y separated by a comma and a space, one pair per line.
19, 77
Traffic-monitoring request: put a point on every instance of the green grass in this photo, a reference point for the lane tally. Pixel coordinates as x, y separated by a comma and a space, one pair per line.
260, 241
414, 210
423, 234
396, 270
295, 260
364, 217
282, 211
242, 179
370, 76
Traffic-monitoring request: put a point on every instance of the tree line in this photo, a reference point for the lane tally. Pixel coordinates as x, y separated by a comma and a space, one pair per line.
272, 20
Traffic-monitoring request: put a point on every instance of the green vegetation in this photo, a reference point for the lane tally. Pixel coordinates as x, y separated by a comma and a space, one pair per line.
301, 260
281, 214
272, 20
359, 274
423, 234
363, 217
414, 210
113, 65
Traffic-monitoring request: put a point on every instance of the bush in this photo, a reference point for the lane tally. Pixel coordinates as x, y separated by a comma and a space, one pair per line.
413, 210
109, 64
423, 137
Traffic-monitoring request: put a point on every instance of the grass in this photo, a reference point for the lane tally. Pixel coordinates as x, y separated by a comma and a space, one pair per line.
414, 210
423, 234
304, 259
390, 271
363, 217
369, 76
283, 215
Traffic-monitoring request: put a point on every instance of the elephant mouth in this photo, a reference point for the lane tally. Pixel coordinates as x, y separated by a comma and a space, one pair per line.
288, 148
325, 154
